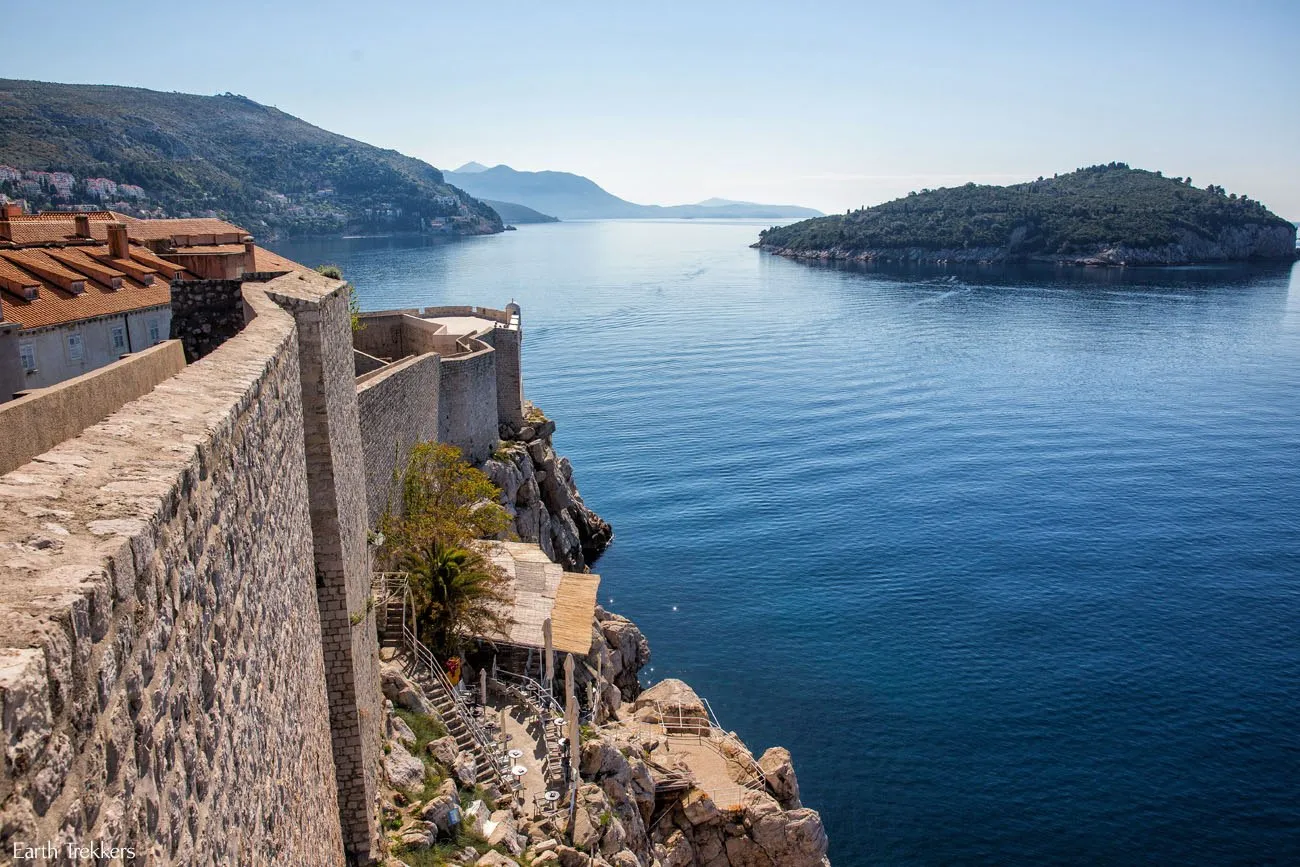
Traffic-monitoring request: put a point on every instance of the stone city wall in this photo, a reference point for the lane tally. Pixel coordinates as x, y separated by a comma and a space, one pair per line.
399, 408
467, 404
162, 685
39, 421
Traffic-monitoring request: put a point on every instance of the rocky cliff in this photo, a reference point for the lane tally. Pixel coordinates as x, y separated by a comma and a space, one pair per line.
541, 497
661, 785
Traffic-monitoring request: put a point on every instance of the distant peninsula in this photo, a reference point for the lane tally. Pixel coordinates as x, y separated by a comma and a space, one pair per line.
152, 154
573, 197
513, 213
1101, 215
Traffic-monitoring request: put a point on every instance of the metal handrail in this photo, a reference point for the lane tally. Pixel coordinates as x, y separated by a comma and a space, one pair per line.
710, 732
423, 656
539, 693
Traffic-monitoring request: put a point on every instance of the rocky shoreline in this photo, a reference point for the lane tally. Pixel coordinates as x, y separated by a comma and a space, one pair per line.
541, 497
1236, 244
627, 749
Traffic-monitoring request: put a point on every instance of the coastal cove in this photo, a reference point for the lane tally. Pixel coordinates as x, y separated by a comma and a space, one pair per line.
1006, 557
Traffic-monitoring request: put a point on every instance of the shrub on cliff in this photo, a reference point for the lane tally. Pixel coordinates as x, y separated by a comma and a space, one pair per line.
444, 506
441, 498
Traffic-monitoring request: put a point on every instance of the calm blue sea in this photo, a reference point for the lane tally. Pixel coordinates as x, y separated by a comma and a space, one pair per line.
1008, 558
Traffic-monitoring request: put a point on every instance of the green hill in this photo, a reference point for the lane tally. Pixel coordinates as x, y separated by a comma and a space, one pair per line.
1106, 214
224, 155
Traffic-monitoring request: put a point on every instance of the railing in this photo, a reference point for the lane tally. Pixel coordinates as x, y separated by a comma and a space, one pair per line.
386, 586
539, 694
543, 702
423, 656
708, 730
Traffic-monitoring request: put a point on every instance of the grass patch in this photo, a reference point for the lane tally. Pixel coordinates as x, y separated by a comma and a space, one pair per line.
425, 728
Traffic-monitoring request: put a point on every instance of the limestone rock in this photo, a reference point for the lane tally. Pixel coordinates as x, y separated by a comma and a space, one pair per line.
400, 731
699, 809
789, 837
476, 818
439, 812
629, 652
466, 770
674, 704
404, 771
778, 767
444, 749
418, 834
676, 851
495, 859
402, 691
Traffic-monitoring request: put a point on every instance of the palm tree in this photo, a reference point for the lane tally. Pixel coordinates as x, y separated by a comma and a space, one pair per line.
455, 592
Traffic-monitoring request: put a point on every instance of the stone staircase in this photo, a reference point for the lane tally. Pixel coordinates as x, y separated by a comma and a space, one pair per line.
487, 772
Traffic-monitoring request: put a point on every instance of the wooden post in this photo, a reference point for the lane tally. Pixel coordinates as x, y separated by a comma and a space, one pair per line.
548, 654
575, 751
482, 686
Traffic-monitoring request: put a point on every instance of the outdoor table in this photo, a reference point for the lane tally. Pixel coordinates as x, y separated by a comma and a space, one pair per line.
518, 770
516, 754
552, 796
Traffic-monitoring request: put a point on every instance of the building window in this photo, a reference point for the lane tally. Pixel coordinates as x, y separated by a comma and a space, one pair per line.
155, 331
28, 354
76, 350
119, 338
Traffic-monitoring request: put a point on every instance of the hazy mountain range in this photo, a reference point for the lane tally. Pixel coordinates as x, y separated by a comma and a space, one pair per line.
573, 197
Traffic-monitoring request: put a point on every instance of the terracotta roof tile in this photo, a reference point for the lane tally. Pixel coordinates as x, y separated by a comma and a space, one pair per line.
54, 306
46, 253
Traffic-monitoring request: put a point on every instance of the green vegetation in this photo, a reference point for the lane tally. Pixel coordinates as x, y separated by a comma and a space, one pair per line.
455, 592
1077, 213
425, 728
445, 505
226, 156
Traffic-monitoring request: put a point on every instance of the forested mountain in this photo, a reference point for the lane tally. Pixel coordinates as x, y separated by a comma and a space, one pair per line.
1104, 214
176, 154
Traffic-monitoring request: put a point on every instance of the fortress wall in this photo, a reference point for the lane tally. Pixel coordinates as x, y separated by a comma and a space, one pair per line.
399, 408
363, 363
36, 423
467, 404
510, 378
161, 680
502, 316
336, 491
381, 335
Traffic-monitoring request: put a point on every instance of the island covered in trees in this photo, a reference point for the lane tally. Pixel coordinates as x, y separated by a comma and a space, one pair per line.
1101, 215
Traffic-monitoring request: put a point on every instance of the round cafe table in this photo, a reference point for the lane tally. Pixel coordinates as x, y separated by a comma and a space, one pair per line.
518, 770
552, 796
516, 754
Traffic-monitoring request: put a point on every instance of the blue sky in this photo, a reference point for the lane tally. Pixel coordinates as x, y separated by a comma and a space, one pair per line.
827, 104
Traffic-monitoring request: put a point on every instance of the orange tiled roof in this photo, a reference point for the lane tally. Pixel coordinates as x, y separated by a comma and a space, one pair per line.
55, 305
268, 261
59, 227
45, 252
60, 216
